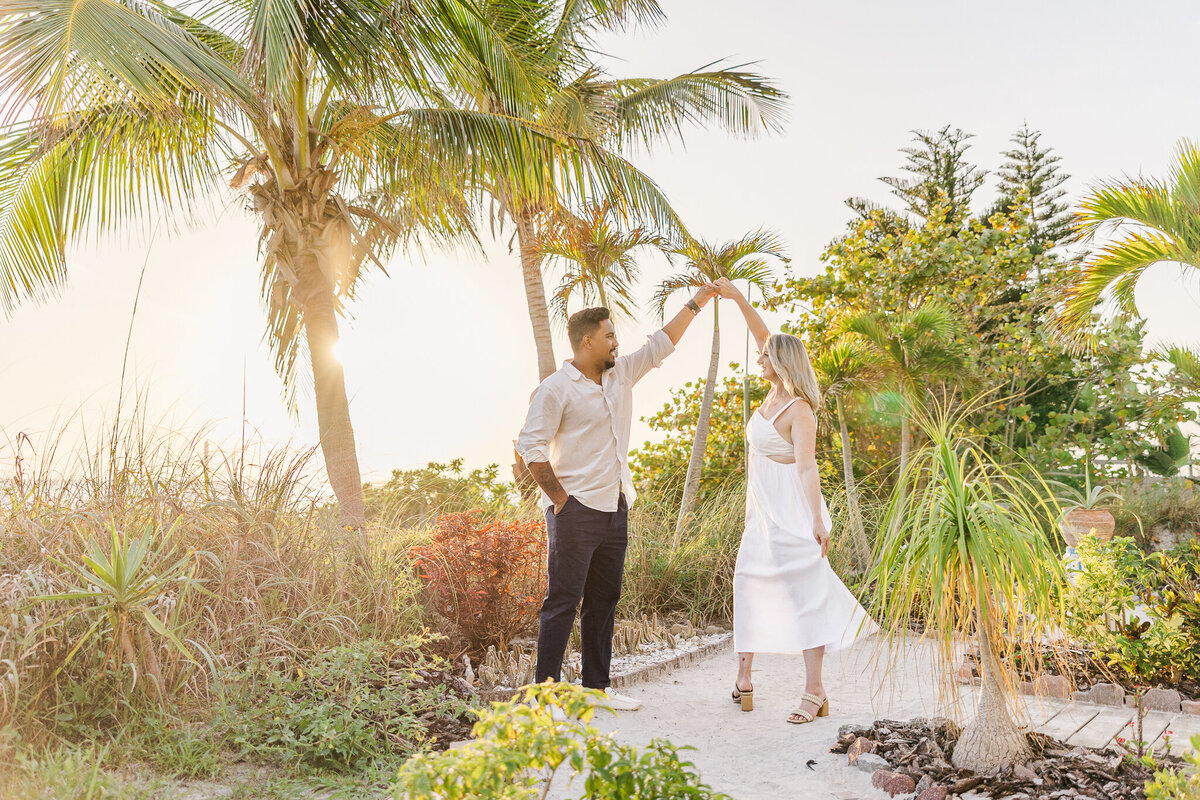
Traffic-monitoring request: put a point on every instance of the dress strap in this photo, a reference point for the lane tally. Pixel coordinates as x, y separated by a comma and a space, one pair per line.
785, 408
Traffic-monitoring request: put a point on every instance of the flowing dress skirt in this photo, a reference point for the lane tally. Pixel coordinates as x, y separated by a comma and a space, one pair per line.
786, 597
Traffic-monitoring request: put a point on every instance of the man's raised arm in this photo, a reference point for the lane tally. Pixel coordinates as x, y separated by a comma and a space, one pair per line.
679, 323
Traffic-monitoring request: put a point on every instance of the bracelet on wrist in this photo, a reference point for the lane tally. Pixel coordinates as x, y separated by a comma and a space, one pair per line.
691, 304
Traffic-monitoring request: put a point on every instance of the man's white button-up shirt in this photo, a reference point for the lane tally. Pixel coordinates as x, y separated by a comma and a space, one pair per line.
582, 428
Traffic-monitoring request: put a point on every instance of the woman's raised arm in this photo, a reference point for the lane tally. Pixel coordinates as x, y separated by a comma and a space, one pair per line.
758, 328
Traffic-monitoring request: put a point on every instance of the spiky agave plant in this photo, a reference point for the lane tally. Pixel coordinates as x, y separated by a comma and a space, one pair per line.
965, 546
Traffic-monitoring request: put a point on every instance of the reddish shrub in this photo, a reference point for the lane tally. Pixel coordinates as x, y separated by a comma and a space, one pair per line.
489, 576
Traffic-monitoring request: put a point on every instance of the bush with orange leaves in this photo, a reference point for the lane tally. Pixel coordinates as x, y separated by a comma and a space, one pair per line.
488, 576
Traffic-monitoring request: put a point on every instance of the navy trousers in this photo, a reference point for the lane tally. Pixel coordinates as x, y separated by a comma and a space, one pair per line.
586, 560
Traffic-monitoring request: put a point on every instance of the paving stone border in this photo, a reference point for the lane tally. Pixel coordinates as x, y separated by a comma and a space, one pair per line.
644, 674
1101, 694
652, 672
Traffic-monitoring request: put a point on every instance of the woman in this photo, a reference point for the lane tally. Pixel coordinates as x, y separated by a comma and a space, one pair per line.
786, 597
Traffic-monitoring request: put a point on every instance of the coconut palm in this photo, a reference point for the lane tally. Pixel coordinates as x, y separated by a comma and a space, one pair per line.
330, 117
747, 259
915, 349
965, 547
598, 257
1159, 222
846, 368
580, 101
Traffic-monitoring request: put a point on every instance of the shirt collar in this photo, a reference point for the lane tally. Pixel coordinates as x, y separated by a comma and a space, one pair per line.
576, 375
572, 370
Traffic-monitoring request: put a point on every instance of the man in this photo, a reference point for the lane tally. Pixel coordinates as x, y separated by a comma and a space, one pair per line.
576, 444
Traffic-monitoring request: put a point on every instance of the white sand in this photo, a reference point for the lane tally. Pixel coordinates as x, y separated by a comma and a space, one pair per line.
758, 755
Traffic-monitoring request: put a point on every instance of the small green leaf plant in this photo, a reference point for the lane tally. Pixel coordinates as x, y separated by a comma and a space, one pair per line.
520, 750
1178, 784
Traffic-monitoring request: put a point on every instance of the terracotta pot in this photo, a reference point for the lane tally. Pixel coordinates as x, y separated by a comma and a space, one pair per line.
1079, 522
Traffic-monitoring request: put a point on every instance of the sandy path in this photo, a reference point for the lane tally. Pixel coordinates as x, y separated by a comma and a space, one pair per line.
758, 755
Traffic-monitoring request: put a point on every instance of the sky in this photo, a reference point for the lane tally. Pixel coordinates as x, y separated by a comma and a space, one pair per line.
439, 356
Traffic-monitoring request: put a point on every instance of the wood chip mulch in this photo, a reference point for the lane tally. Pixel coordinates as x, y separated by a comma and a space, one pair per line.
922, 748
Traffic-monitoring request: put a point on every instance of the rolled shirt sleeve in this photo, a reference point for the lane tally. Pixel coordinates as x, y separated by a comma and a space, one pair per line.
541, 424
647, 357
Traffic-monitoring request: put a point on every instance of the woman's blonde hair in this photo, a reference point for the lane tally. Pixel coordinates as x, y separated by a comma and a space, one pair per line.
790, 362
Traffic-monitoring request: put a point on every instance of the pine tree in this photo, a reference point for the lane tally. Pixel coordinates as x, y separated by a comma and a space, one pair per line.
1030, 182
942, 176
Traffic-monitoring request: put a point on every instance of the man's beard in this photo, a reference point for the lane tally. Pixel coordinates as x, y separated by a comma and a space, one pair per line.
610, 362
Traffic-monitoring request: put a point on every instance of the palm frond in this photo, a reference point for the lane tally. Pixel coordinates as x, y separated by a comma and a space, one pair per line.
741, 103
115, 165
1117, 266
64, 56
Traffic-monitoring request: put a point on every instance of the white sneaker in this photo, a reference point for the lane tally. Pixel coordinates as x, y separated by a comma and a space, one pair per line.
619, 702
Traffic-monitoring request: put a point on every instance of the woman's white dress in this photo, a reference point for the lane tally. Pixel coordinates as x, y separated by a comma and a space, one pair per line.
786, 597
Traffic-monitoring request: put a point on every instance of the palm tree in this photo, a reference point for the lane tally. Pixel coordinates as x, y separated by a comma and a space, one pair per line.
575, 99
846, 368
916, 349
1160, 221
598, 257
741, 260
330, 117
965, 547
1185, 363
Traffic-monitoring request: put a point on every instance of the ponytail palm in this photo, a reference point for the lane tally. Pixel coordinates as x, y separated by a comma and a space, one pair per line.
1160, 223
330, 117
965, 546
747, 259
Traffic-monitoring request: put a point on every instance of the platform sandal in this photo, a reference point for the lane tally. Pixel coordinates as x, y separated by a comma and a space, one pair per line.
746, 697
800, 716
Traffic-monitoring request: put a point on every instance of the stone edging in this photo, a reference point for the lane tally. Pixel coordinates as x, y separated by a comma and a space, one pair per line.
1102, 694
650, 672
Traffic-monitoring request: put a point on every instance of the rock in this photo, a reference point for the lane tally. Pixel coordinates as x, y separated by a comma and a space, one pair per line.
1190, 706
860, 746
1082, 696
1162, 700
869, 762
1052, 686
1024, 773
676, 629
923, 784
966, 669
1107, 694
933, 793
1026, 687
849, 729
893, 783
713, 629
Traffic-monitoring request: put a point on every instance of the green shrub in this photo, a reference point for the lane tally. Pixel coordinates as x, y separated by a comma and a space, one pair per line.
1181, 784
519, 751
342, 707
1116, 578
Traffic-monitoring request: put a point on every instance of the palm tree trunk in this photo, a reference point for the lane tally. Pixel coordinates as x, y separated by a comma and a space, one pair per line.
691, 485
535, 294
992, 739
856, 524
333, 408
539, 316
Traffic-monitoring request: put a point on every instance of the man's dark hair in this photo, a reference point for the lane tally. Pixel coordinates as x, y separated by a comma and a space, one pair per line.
585, 322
